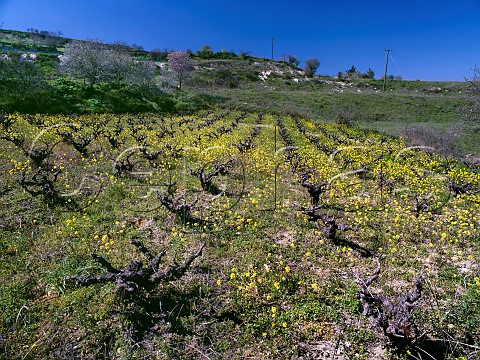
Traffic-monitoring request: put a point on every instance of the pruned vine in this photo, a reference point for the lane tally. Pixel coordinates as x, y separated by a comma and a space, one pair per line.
134, 277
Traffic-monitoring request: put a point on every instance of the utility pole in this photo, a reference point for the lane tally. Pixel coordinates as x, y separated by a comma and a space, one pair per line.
386, 68
273, 40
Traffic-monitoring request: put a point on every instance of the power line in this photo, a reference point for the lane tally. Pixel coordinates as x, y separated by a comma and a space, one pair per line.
395, 63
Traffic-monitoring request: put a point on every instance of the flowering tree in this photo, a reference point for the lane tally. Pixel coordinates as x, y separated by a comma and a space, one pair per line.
84, 59
180, 65
94, 61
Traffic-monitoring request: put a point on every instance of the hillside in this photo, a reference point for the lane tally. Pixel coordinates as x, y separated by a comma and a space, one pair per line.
429, 112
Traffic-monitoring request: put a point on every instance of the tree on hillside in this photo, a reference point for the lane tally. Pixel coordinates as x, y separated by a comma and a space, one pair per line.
311, 66
244, 53
21, 75
22, 83
352, 71
370, 74
291, 60
159, 54
94, 61
83, 58
141, 76
118, 64
179, 65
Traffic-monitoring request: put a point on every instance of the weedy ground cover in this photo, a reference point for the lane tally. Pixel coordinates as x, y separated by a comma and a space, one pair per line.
407, 108
293, 216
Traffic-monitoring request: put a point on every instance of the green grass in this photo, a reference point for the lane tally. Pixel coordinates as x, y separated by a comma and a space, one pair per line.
393, 112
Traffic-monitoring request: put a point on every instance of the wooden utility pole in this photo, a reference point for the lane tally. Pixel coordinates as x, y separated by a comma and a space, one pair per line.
386, 69
273, 40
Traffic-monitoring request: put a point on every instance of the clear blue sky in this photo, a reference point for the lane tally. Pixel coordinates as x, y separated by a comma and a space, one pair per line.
433, 40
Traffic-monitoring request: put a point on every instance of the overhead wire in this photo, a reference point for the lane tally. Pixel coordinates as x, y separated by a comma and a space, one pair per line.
394, 63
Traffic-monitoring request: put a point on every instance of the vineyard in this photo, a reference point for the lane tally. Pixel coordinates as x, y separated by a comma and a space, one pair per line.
230, 234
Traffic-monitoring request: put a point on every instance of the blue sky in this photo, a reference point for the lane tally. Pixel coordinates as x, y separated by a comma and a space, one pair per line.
433, 40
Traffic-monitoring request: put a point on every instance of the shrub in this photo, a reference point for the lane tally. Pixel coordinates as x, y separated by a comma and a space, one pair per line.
205, 52
442, 142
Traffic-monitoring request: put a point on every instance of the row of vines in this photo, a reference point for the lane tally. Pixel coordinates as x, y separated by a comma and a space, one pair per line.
228, 234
